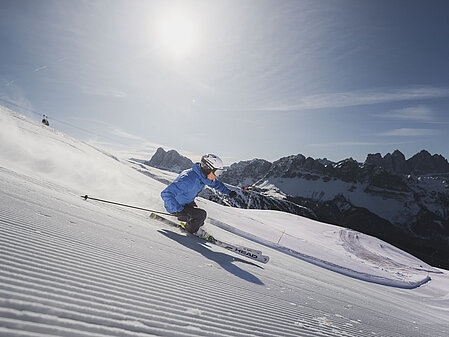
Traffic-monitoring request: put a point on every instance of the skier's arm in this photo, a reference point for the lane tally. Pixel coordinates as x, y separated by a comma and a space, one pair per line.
219, 186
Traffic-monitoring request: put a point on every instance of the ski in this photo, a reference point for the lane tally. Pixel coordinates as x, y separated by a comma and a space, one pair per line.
247, 252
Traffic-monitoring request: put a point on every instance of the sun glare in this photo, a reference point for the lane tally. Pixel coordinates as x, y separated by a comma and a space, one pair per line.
177, 32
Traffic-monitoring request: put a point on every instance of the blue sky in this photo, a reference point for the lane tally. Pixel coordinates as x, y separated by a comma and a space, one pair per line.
242, 79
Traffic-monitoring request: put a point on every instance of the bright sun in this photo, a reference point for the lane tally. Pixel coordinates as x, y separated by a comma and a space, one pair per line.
177, 32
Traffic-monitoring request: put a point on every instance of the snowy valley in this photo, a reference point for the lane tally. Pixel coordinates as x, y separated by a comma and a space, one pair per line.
71, 267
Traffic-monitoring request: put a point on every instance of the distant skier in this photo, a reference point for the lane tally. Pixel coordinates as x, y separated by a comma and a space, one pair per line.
180, 194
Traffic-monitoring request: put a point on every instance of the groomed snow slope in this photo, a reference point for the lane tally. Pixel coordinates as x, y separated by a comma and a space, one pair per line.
74, 268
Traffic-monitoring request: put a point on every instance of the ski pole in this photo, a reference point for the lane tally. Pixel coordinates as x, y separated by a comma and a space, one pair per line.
85, 197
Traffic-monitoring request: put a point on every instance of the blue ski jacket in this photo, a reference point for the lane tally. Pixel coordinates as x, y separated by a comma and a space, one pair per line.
186, 187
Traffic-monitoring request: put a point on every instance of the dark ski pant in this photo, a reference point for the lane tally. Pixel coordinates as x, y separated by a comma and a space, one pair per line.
193, 217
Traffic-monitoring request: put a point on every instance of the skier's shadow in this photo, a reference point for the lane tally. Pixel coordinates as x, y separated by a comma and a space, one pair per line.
226, 261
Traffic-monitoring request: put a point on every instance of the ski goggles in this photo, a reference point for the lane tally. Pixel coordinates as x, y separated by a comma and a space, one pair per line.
217, 172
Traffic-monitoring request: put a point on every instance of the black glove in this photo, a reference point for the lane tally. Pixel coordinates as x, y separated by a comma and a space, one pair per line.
233, 194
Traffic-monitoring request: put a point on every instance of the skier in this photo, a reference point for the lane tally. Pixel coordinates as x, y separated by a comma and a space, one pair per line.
180, 194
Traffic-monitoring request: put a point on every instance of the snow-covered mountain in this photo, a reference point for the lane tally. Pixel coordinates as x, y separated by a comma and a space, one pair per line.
71, 267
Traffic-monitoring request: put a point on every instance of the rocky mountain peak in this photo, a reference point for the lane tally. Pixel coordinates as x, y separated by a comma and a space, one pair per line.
395, 162
171, 161
425, 163
246, 172
374, 159
421, 163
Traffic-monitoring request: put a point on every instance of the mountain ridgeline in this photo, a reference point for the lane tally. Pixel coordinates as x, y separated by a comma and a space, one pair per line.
423, 163
402, 201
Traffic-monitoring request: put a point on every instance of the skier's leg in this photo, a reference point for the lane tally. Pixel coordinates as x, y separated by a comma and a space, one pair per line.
194, 218
198, 217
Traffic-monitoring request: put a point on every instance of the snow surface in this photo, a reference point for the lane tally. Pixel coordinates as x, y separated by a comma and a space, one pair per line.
71, 267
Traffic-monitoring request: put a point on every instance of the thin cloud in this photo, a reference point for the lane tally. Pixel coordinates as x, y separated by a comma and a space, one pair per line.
420, 113
40, 68
123, 134
344, 144
9, 83
105, 92
108, 129
36, 70
357, 98
406, 132
355, 143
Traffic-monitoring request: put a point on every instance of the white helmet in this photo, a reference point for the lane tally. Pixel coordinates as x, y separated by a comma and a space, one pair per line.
212, 163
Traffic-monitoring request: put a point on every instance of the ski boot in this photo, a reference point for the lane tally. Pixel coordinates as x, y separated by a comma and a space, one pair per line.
201, 233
